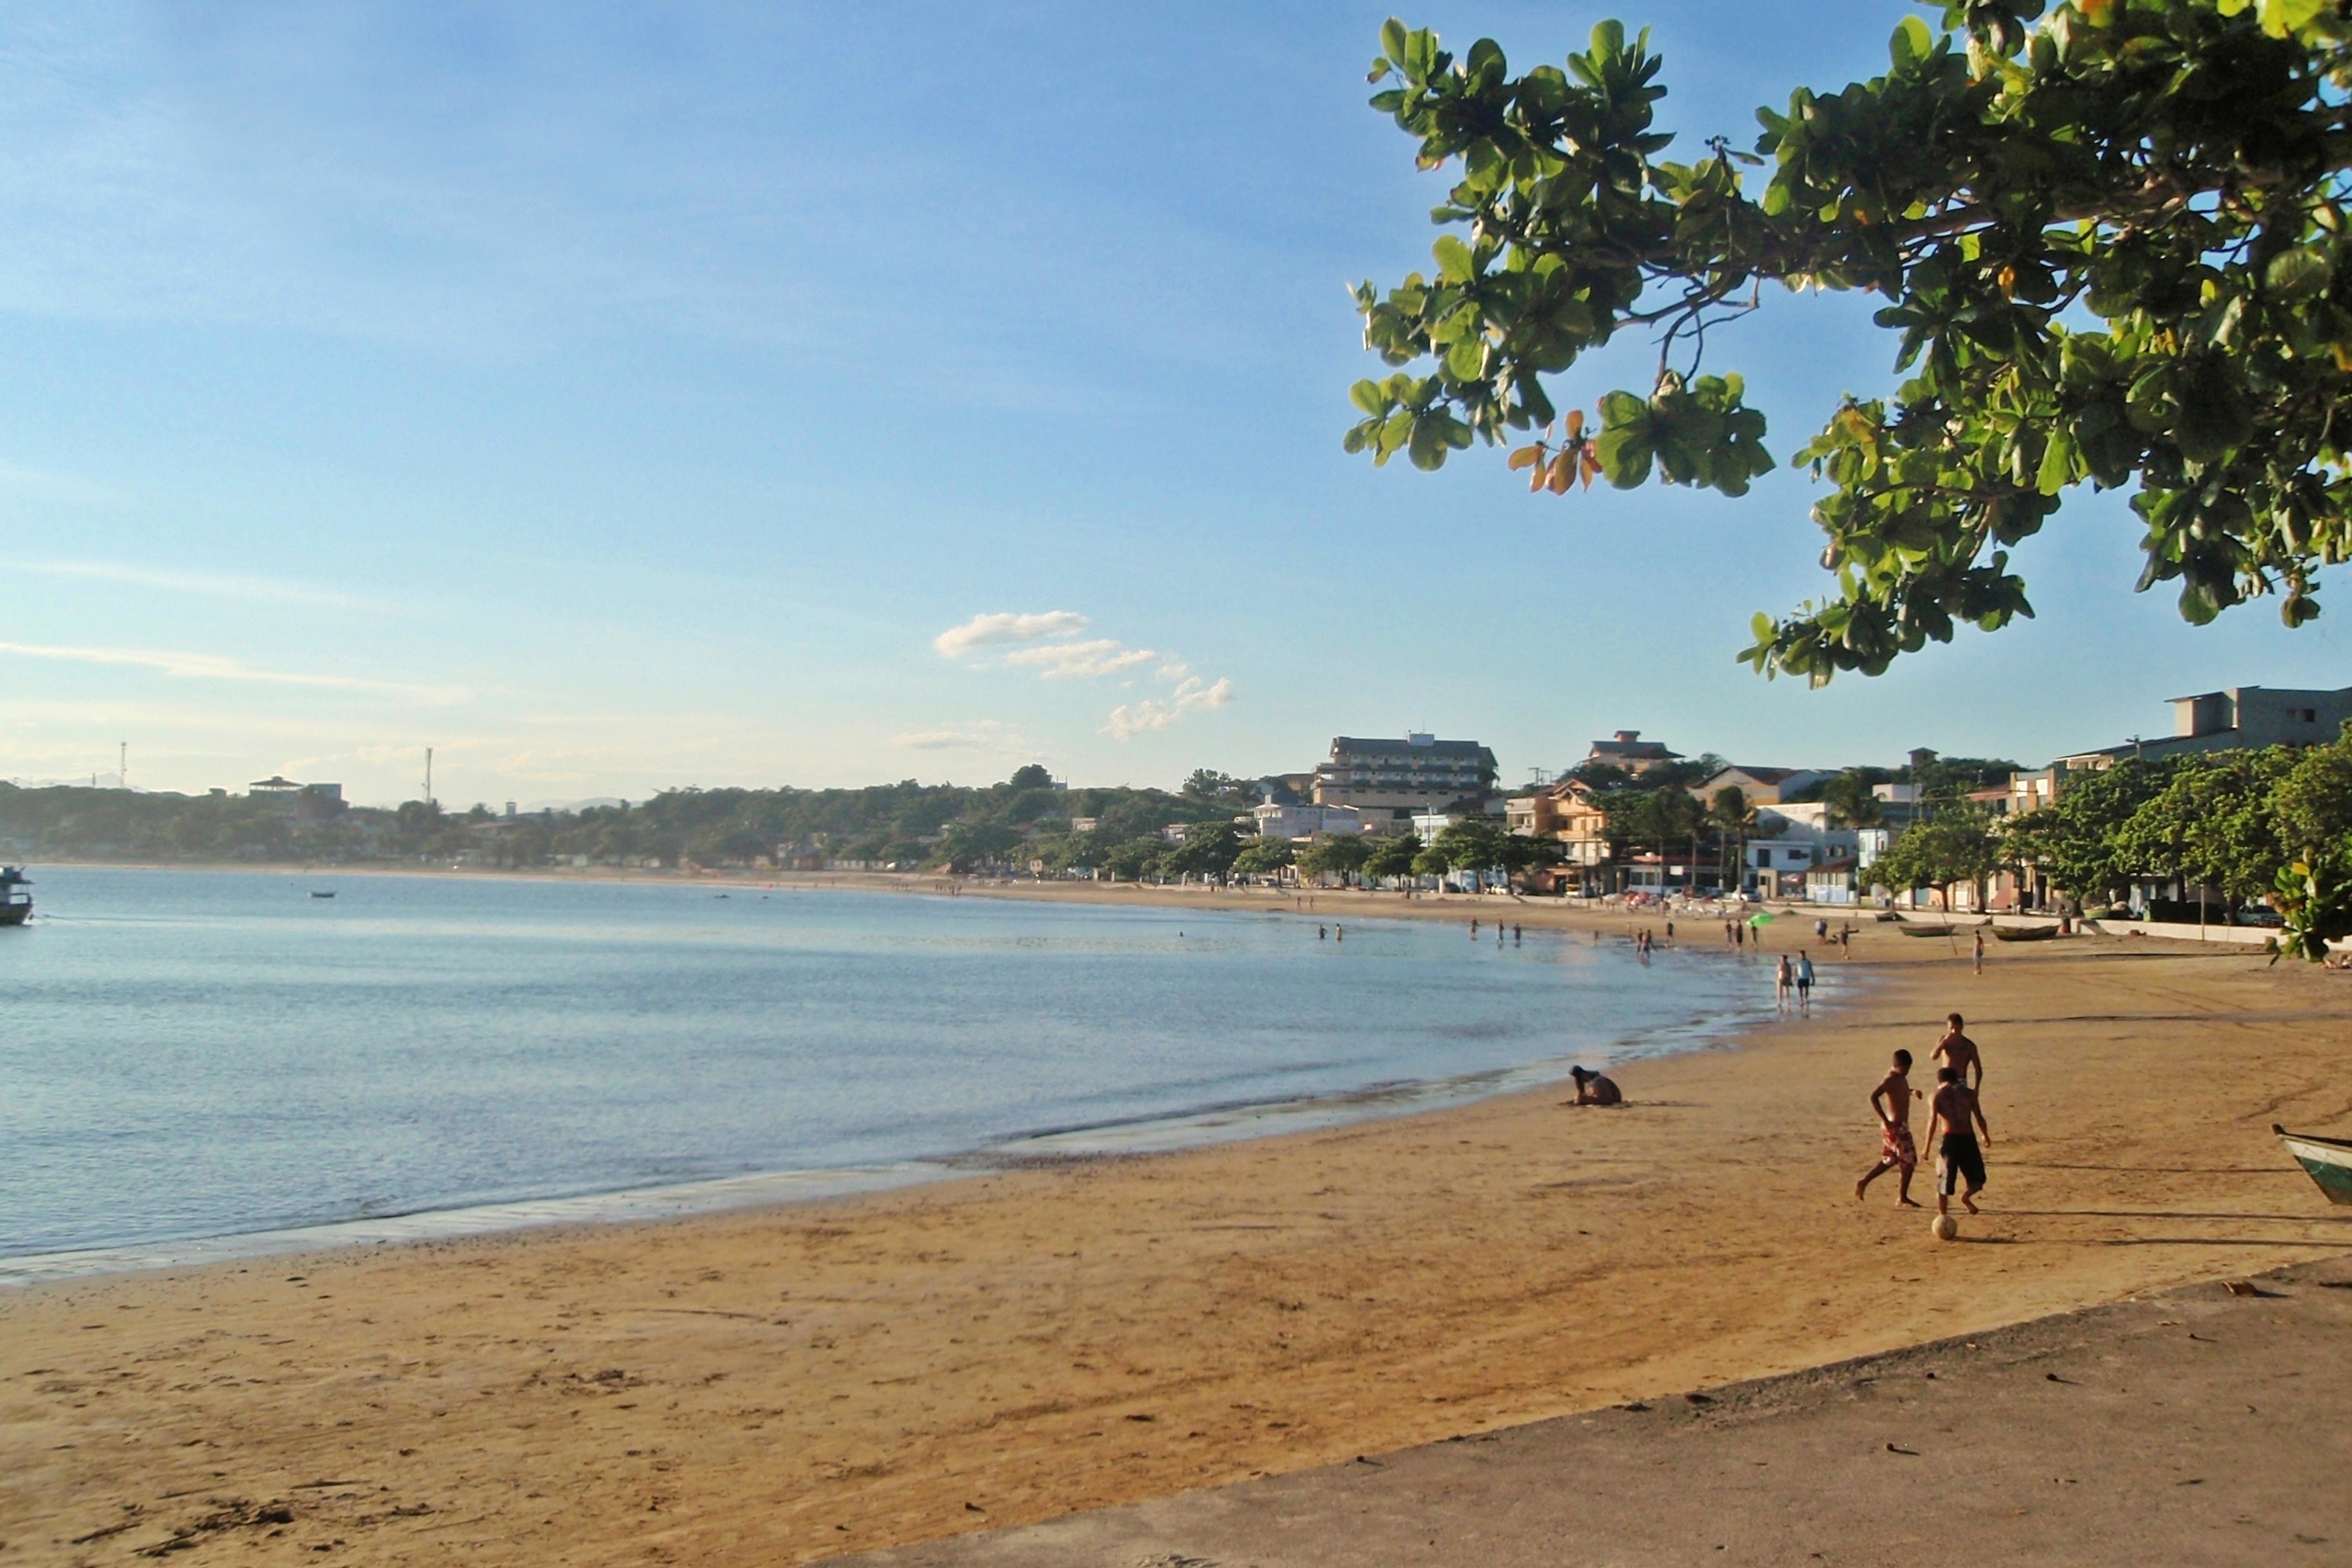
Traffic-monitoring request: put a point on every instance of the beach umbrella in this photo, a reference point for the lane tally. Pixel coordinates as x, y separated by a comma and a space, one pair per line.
1761, 917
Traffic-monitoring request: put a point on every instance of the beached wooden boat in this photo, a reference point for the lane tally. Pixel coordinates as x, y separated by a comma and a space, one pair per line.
2328, 1160
1907, 928
2024, 934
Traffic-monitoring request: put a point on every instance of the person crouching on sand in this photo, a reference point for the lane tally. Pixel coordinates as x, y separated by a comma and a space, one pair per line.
1959, 1156
1591, 1089
1892, 1101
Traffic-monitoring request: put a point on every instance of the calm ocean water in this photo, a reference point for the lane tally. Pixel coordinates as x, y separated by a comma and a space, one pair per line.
206, 1054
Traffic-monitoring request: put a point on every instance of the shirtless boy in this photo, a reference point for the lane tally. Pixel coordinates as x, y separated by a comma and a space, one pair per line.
1892, 1101
1958, 1052
1959, 1156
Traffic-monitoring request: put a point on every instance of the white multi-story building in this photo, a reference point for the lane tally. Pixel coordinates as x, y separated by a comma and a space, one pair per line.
1306, 821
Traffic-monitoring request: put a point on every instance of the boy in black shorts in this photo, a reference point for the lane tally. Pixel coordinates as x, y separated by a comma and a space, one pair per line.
1952, 1130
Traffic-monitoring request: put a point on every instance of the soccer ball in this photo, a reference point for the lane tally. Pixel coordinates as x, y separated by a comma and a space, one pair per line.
1945, 1227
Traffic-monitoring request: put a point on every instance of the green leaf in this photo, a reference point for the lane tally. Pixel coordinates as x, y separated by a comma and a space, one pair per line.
1393, 39
1911, 43
2057, 465
2301, 273
1454, 262
1368, 396
2215, 416
1626, 453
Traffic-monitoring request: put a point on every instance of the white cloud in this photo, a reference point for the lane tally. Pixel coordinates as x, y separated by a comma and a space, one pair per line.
1102, 655
256, 590
1130, 720
212, 666
994, 631
987, 735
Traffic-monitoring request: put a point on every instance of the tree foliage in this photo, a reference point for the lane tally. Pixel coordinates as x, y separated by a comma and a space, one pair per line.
2110, 236
1953, 846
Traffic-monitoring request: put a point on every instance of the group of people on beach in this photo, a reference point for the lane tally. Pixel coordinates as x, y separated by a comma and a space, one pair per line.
1955, 1123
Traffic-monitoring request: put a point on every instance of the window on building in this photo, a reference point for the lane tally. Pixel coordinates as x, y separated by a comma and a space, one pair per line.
2311, 715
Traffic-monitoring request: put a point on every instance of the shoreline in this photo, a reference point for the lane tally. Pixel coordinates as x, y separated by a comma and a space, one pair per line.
1180, 1127
789, 1384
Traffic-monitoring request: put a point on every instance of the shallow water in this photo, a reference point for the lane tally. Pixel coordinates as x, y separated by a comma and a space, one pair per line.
196, 1054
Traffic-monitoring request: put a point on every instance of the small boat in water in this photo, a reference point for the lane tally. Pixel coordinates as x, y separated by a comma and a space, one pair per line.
317, 894
15, 903
2328, 1160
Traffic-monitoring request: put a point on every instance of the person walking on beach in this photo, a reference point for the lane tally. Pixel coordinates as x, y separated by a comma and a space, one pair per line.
1805, 983
1892, 1102
1959, 1053
1784, 981
1591, 1089
1980, 952
1954, 1126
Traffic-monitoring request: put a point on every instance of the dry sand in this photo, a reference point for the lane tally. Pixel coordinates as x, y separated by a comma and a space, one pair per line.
790, 1383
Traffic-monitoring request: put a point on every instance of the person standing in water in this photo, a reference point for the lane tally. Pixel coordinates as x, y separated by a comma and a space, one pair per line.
1784, 981
1805, 983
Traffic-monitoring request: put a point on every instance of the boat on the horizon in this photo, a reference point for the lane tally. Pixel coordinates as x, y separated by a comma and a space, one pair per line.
316, 893
15, 903
2328, 1160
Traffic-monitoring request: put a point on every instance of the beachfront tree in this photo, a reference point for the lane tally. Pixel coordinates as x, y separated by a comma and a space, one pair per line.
1521, 853
1954, 846
2312, 804
1134, 860
1264, 857
1394, 855
1210, 849
2213, 824
1335, 854
1471, 846
2111, 235
2072, 840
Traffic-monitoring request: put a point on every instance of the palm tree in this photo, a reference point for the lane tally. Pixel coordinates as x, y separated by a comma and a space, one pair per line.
1850, 802
1735, 819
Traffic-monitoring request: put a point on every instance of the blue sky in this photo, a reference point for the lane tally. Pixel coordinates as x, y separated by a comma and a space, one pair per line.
620, 398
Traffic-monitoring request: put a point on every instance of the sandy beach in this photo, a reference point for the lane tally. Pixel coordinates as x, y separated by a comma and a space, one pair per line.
792, 1384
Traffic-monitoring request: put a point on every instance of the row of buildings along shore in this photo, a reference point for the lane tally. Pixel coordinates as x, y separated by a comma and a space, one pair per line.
1798, 845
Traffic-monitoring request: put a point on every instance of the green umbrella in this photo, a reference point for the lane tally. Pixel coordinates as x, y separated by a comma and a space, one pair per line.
1761, 917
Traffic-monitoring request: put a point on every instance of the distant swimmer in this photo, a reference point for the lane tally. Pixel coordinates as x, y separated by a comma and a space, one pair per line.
1958, 1052
1339, 933
1892, 1101
1321, 932
1591, 1089
1474, 925
1957, 1121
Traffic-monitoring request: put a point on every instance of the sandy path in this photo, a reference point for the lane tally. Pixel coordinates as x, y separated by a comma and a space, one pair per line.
792, 1384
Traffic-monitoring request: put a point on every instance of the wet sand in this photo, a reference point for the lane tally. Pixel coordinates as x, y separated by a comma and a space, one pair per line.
789, 1384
